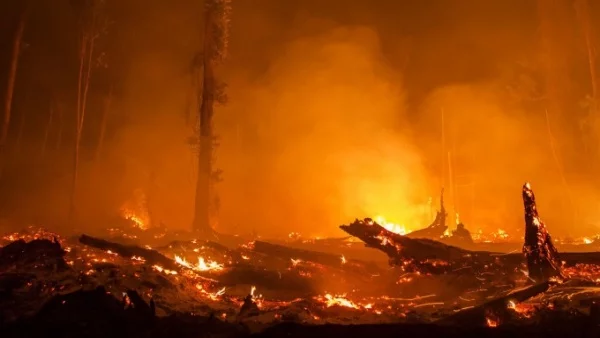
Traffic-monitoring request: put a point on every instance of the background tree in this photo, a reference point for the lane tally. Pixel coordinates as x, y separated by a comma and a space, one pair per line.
12, 78
216, 30
92, 25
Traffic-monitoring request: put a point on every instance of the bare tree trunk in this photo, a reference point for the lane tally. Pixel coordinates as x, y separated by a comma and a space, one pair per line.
201, 221
10, 88
103, 122
85, 71
48, 127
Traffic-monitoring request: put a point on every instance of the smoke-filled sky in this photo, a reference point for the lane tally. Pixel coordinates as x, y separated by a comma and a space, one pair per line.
335, 111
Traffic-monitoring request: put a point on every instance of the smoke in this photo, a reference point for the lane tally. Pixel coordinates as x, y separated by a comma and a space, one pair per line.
315, 141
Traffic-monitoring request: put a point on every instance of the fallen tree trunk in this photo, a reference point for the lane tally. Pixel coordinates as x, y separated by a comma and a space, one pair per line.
541, 255
152, 257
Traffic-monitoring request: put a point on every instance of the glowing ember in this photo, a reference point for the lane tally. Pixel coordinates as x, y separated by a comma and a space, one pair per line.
491, 322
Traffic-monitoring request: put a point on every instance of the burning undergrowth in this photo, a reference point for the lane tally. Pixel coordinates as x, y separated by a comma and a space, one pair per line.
317, 281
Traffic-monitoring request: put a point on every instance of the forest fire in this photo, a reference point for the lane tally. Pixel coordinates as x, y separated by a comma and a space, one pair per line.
500, 285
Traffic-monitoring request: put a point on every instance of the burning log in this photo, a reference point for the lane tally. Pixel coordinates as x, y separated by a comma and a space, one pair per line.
402, 248
437, 228
541, 255
152, 257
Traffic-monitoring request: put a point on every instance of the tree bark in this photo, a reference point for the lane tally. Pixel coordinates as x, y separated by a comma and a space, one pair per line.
201, 221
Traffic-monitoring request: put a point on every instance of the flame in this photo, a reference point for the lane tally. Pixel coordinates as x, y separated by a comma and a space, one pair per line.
339, 300
202, 265
138, 221
392, 227
491, 322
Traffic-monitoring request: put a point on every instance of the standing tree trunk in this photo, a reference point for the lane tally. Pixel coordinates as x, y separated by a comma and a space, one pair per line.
103, 122
10, 88
89, 34
216, 18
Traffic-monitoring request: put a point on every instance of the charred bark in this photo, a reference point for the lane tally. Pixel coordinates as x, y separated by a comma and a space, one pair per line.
541, 255
215, 45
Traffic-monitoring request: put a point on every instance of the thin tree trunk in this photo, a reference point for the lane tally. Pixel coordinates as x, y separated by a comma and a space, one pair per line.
10, 88
201, 221
104, 121
48, 127
86, 55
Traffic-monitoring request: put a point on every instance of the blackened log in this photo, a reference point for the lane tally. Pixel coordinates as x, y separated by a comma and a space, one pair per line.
541, 255
437, 228
152, 257
401, 247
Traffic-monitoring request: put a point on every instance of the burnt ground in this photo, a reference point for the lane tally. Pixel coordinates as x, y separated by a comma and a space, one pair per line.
60, 288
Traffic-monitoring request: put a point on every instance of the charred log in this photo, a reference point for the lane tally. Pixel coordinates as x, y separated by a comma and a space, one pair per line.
128, 251
541, 255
